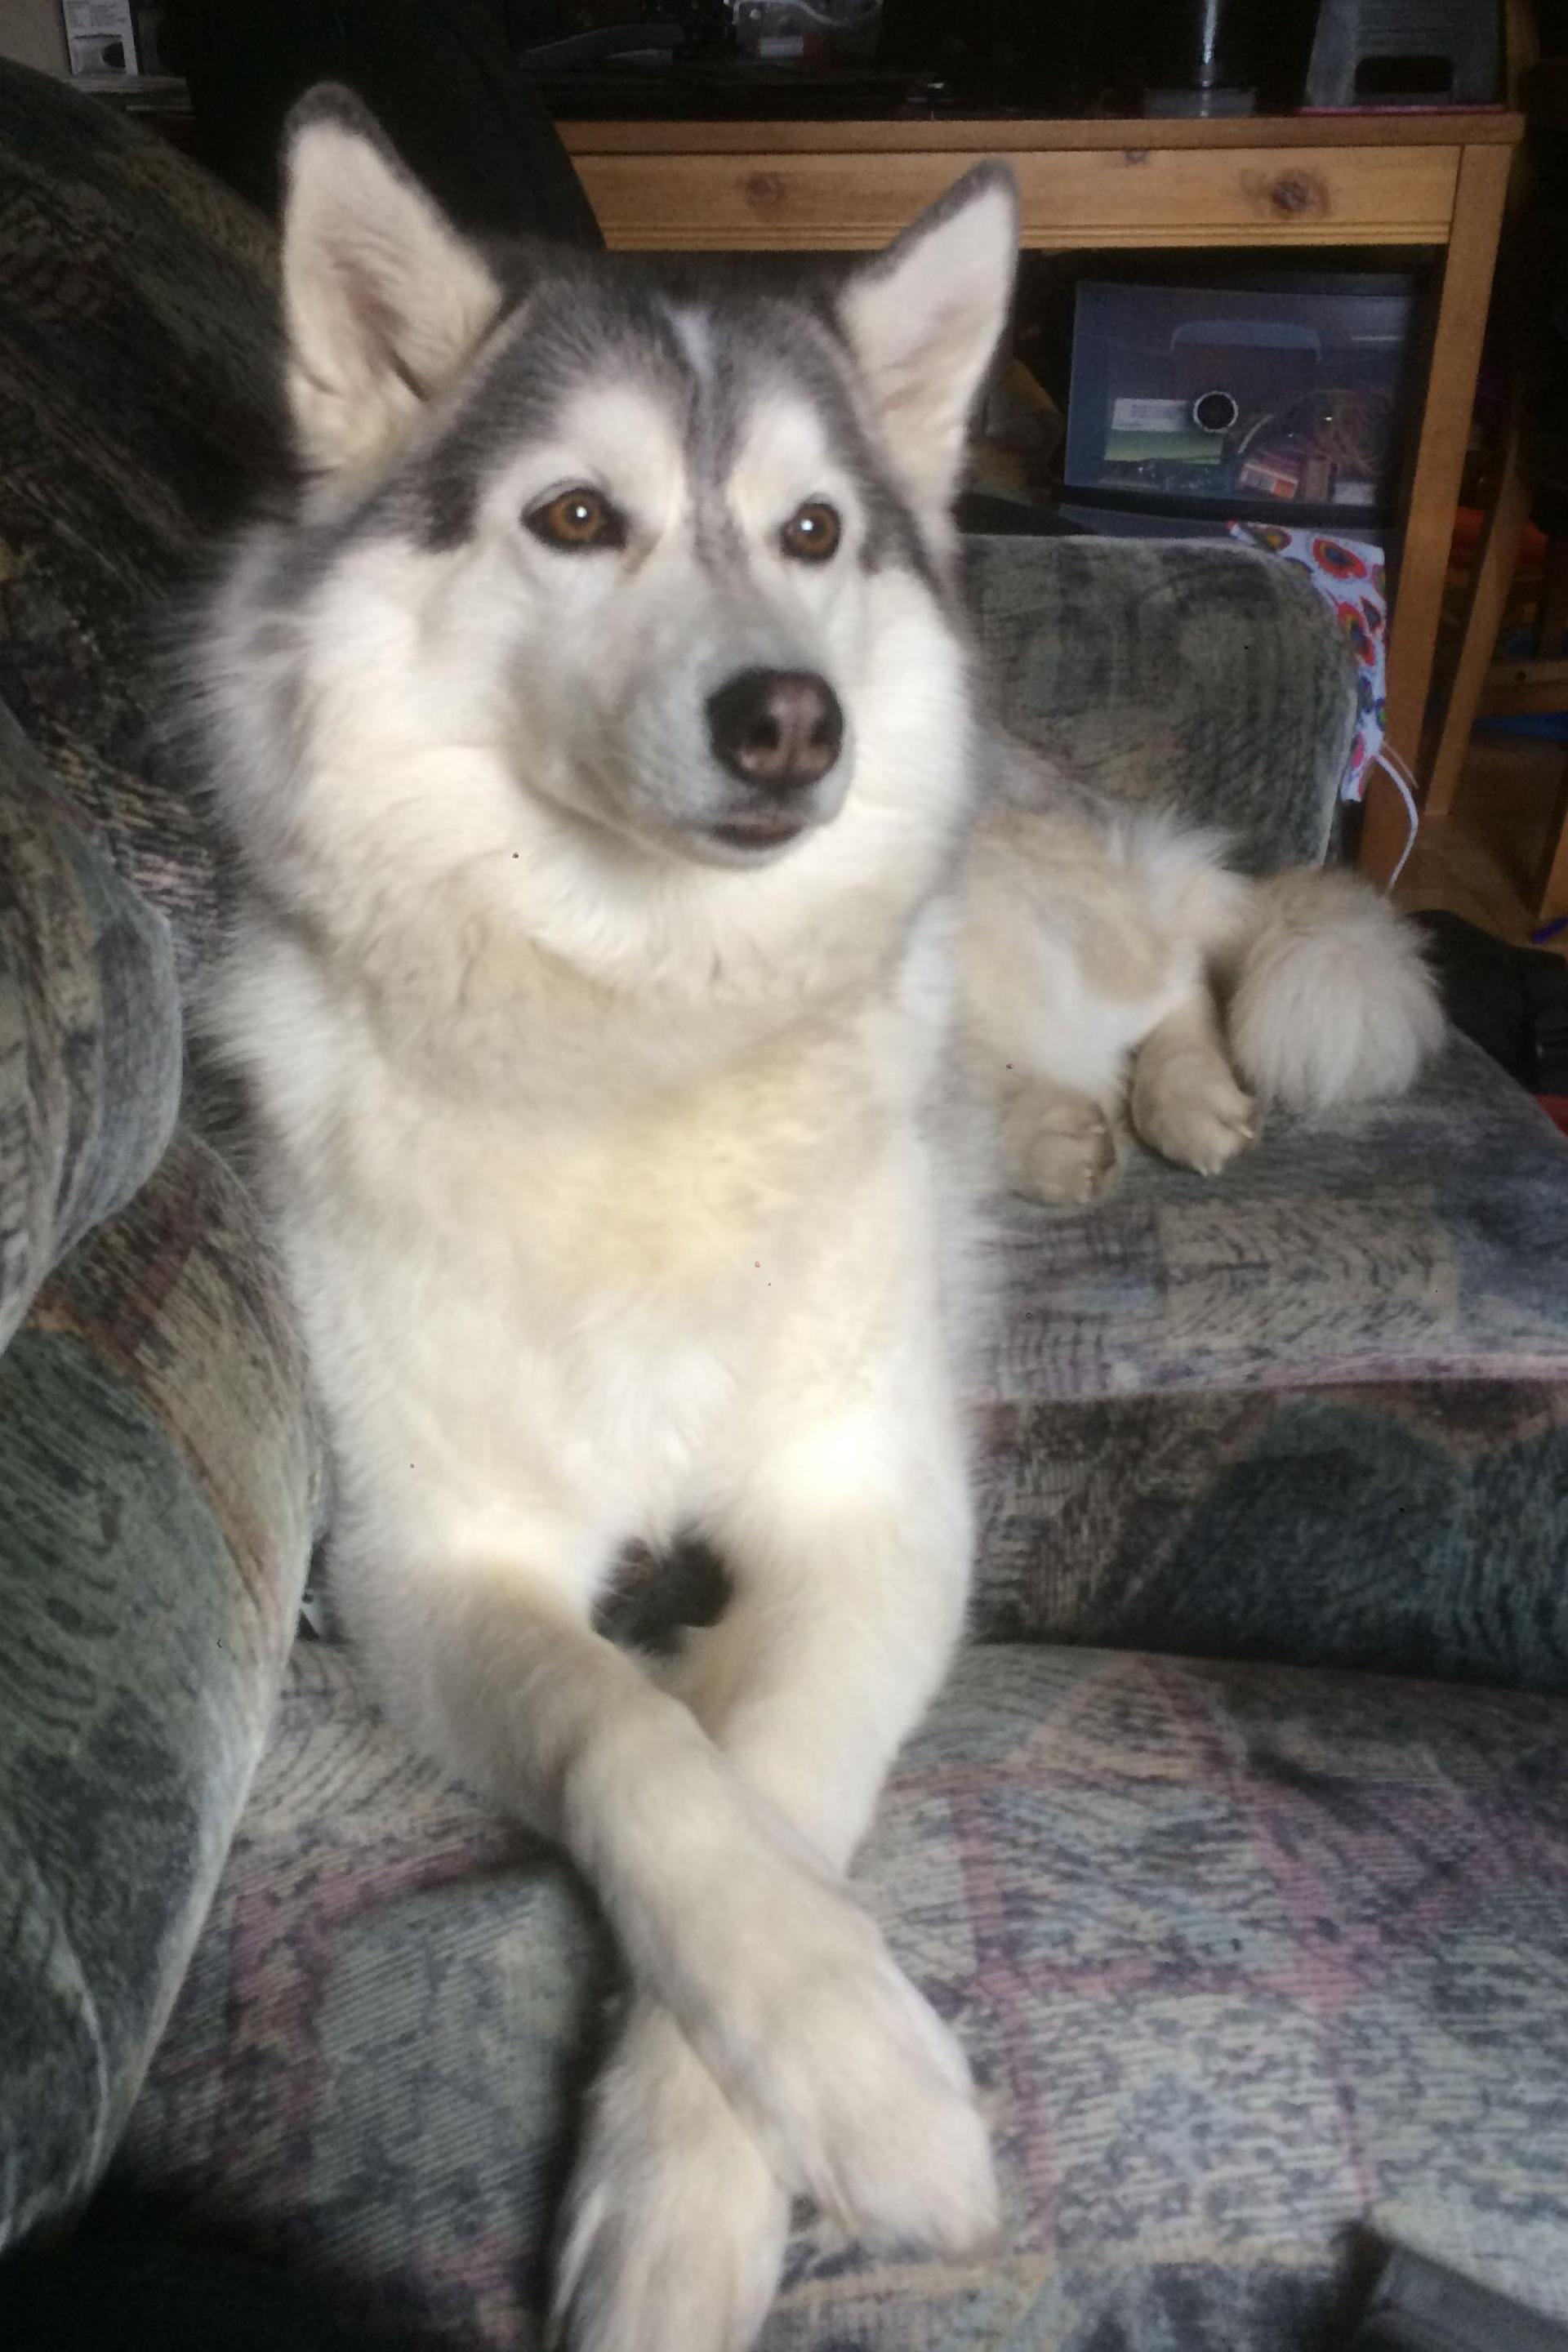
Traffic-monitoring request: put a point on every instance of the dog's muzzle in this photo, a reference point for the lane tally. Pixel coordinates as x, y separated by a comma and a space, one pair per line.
778, 732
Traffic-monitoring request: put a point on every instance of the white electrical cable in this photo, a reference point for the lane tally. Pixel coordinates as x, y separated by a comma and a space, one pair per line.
1393, 767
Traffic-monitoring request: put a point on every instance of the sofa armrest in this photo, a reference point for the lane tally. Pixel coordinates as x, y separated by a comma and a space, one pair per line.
160, 1482
1208, 678
160, 1486
90, 1032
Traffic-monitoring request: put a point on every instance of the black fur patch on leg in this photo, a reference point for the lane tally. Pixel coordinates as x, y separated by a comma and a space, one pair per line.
652, 1598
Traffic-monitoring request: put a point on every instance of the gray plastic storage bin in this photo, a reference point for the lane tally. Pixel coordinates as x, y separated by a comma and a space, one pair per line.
1256, 398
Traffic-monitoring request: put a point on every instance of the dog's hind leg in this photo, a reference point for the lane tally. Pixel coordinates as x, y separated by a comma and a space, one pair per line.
1058, 1144
1057, 1100
1042, 1037
849, 1551
1085, 943
1186, 1101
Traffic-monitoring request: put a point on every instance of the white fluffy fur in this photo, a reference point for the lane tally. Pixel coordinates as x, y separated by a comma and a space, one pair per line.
617, 1195
1330, 1001
925, 321
385, 302
1119, 978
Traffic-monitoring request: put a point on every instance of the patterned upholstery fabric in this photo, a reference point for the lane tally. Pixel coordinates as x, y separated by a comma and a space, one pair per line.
90, 1032
158, 1469
1152, 669
158, 1478
137, 345
1316, 1410
1246, 1959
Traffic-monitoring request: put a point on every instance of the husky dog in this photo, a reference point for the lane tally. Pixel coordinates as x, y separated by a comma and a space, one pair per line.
623, 866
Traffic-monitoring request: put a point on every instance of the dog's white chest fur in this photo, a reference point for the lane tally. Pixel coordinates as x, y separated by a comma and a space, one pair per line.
540, 1281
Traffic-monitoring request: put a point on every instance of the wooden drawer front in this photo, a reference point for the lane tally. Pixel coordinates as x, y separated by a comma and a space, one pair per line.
1116, 196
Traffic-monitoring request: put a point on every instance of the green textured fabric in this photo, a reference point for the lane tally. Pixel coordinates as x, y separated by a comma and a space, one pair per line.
138, 374
1208, 678
158, 1498
89, 1031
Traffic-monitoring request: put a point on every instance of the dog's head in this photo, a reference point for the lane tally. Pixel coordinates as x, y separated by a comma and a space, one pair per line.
665, 530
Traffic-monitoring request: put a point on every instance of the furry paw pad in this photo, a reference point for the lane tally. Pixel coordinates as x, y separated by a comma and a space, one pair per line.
865, 2102
1059, 1148
1193, 1111
675, 2229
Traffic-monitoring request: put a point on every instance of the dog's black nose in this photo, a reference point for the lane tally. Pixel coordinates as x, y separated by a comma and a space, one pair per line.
779, 729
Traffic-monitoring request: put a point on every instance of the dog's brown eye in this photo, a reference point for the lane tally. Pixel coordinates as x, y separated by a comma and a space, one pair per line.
812, 532
579, 518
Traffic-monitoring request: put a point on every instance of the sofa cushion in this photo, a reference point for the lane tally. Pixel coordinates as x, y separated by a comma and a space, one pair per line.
160, 1476
1315, 1409
1246, 1959
89, 1031
1208, 678
137, 403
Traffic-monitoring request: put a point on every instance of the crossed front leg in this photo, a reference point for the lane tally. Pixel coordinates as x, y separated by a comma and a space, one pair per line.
773, 2047
849, 1552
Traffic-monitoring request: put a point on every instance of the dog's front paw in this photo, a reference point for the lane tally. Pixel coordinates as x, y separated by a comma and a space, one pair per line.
1058, 1147
863, 2097
1191, 1110
676, 2224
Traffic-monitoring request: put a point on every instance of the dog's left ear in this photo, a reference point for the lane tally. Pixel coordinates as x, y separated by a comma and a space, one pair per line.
924, 320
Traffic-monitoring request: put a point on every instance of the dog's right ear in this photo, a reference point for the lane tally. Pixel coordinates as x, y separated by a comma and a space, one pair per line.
384, 300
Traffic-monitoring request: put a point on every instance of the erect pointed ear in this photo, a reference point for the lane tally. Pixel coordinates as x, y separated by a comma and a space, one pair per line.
924, 320
384, 300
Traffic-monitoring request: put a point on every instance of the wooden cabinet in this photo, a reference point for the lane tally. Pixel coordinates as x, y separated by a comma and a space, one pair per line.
1114, 196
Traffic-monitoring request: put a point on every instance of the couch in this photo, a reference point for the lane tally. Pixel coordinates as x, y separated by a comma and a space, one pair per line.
1237, 1848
